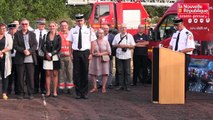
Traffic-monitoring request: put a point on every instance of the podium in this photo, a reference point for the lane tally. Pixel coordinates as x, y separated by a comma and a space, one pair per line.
168, 76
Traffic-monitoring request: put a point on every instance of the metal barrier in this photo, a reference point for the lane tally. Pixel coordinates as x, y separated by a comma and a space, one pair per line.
167, 3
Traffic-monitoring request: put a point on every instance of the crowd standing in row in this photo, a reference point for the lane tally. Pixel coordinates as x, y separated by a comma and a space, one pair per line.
69, 56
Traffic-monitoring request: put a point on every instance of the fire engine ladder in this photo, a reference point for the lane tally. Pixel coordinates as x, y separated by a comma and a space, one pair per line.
166, 3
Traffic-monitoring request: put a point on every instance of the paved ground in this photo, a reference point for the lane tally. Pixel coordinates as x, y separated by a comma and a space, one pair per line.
114, 105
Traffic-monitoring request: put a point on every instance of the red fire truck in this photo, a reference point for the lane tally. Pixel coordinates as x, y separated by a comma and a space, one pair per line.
198, 18
116, 13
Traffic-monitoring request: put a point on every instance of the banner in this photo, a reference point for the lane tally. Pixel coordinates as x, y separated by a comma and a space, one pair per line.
193, 10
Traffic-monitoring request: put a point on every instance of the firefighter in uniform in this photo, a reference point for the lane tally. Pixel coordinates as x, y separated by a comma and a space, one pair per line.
65, 73
82, 38
182, 41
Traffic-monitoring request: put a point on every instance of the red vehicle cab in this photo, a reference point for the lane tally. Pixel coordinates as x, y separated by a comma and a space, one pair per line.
116, 13
200, 24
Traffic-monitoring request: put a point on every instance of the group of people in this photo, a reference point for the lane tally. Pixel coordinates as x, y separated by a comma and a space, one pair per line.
70, 56
34, 57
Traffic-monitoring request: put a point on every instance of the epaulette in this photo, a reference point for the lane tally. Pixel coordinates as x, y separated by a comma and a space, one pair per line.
187, 33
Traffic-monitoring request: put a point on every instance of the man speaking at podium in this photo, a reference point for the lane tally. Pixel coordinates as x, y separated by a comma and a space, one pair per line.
182, 41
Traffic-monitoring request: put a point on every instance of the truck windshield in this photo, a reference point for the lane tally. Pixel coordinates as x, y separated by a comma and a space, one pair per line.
166, 27
100, 11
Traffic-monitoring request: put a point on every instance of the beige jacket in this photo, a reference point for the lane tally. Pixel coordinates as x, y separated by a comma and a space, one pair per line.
8, 61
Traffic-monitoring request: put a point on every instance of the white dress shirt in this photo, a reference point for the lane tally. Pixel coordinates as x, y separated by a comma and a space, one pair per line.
186, 40
37, 32
88, 35
129, 40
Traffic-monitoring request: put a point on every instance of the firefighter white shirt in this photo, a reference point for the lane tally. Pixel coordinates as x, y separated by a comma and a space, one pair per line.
128, 40
88, 35
186, 40
37, 32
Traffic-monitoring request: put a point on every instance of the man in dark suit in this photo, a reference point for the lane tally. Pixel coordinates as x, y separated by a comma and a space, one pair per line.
25, 45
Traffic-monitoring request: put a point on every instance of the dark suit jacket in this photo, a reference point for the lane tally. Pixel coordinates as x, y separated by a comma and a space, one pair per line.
53, 49
110, 39
20, 47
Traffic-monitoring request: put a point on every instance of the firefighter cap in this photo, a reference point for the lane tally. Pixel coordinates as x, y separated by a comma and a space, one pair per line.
177, 21
41, 21
79, 16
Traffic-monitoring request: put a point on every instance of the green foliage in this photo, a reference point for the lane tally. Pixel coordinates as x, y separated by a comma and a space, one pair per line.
32, 9
155, 12
85, 9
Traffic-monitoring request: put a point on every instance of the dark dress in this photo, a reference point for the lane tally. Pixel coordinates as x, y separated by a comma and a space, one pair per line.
53, 47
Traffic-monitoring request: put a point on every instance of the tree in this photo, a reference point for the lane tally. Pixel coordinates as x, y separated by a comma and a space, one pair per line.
32, 9
155, 12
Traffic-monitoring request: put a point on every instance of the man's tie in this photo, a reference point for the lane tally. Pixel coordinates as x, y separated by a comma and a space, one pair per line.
176, 44
40, 38
79, 39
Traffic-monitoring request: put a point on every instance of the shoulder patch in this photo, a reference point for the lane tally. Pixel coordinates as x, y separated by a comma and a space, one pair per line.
190, 37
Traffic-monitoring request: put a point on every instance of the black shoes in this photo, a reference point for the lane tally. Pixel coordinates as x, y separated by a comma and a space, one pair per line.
123, 88
133, 84
119, 88
20, 97
77, 97
30, 97
81, 97
84, 97
127, 89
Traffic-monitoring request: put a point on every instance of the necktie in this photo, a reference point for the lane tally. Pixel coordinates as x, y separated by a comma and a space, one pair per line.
176, 44
79, 39
40, 38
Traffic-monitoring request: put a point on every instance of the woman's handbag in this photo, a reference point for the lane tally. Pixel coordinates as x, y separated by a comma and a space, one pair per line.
105, 58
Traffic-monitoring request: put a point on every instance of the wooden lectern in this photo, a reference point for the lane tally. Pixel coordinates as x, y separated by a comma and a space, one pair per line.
168, 76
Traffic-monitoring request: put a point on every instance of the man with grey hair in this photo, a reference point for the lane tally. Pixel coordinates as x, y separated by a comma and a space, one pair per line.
124, 42
25, 59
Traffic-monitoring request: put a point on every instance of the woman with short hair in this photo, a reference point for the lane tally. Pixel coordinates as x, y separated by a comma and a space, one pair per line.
98, 66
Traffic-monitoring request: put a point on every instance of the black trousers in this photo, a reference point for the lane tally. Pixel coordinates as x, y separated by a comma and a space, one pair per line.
25, 73
187, 61
80, 71
123, 71
39, 77
140, 63
13, 79
4, 80
117, 82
